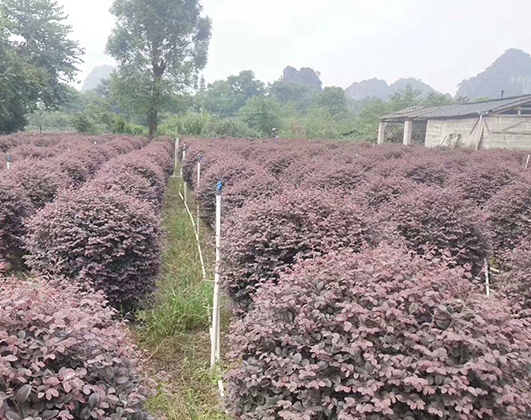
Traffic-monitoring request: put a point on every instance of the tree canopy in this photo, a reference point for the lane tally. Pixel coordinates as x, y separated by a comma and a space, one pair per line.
37, 59
160, 45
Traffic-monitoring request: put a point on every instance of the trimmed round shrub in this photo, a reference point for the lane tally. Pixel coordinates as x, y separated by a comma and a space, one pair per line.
73, 168
128, 182
515, 281
479, 183
41, 180
333, 175
423, 170
258, 186
230, 171
161, 152
140, 164
379, 191
378, 335
509, 216
63, 357
106, 239
14, 208
266, 237
435, 224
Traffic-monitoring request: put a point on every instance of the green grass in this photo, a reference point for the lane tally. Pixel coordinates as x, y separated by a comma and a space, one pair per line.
174, 333
183, 298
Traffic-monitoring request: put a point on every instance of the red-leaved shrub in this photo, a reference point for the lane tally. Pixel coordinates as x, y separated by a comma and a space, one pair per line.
378, 335
63, 357
266, 237
515, 280
161, 152
379, 191
104, 238
258, 186
139, 163
41, 180
435, 224
479, 183
14, 207
128, 182
509, 215
229, 171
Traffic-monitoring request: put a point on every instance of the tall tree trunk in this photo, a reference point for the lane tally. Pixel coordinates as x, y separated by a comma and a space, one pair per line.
154, 107
152, 121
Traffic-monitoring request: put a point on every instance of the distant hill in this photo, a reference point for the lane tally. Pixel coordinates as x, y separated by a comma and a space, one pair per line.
376, 88
510, 73
305, 76
96, 76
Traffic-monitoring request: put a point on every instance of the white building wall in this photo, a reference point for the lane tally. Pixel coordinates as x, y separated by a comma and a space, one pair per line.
509, 132
457, 132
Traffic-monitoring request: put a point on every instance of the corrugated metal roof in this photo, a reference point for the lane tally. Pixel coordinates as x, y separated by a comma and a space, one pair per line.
459, 110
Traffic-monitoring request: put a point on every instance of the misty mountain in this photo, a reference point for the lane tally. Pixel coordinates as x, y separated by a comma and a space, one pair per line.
305, 77
376, 88
96, 76
510, 73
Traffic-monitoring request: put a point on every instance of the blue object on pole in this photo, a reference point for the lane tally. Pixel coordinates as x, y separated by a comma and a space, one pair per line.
219, 187
9, 158
200, 158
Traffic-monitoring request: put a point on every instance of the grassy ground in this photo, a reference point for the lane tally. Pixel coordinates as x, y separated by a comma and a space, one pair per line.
175, 333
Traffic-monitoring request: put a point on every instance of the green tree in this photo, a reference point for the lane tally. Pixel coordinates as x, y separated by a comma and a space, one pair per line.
40, 37
16, 89
160, 45
37, 60
291, 93
405, 98
225, 97
437, 99
331, 98
246, 84
261, 113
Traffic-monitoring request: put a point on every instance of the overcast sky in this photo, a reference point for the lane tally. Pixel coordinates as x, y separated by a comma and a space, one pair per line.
439, 41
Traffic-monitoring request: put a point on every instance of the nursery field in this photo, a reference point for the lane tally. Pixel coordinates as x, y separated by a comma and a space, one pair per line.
359, 281
371, 282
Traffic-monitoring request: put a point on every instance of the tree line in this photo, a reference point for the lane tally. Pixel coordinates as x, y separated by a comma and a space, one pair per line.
160, 48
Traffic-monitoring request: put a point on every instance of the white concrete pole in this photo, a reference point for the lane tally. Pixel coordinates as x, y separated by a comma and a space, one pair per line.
487, 278
197, 186
182, 161
381, 132
408, 132
527, 162
8, 166
176, 154
215, 332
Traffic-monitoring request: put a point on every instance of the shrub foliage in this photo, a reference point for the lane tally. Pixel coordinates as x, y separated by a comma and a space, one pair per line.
378, 335
63, 357
437, 225
106, 239
265, 237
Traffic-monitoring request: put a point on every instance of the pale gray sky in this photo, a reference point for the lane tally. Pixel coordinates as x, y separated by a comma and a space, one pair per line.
439, 41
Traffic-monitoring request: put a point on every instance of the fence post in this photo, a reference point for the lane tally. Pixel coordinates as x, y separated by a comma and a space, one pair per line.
215, 353
197, 186
183, 158
487, 278
176, 158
